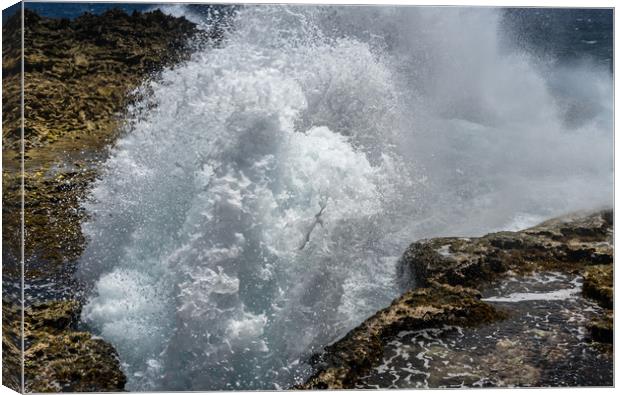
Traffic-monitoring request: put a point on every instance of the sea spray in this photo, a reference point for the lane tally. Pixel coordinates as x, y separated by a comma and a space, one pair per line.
228, 219
255, 208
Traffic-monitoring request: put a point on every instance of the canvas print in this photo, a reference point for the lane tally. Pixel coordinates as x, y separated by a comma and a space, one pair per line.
205, 197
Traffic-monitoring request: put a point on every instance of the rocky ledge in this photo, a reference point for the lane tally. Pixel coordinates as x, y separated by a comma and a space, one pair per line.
450, 276
59, 358
439, 304
79, 77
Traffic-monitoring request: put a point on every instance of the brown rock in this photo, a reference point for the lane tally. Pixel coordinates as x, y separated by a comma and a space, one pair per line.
72, 361
450, 271
598, 284
439, 304
78, 77
60, 358
569, 243
602, 329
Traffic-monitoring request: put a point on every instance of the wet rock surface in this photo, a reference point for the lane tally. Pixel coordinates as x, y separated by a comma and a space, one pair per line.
543, 341
80, 76
437, 305
59, 358
11, 345
598, 284
567, 244
544, 326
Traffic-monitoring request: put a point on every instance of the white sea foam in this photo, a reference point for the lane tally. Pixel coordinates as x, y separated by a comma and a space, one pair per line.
537, 287
255, 208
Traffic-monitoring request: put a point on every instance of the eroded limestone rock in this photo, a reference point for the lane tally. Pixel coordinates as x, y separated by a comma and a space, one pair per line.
59, 358
437, 305
569, 243
451, 271
598, 284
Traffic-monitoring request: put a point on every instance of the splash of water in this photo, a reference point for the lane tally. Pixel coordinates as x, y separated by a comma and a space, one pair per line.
256, 206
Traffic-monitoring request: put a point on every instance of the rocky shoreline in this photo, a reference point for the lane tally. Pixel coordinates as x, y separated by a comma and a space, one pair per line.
450, 276
80, 76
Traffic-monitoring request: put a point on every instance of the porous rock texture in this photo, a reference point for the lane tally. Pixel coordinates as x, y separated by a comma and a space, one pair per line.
59, 358
448, 272
436, 305
79, 77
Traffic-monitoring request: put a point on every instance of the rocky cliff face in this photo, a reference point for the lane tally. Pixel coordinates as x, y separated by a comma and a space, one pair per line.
79, 76
451, 274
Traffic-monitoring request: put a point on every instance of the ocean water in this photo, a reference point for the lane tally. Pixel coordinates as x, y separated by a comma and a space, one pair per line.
566, 33
260, 197
73, 10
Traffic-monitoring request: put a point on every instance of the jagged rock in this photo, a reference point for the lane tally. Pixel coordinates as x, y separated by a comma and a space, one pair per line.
52, 317
439, 304
598, 284
578, 243
451, 271
60, 358
11, 345
602, 329
66, 61
568, 243
80, 75
57, 356
72, 361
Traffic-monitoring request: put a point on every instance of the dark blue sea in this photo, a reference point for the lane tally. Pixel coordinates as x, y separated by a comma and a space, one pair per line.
566, 34
72, 10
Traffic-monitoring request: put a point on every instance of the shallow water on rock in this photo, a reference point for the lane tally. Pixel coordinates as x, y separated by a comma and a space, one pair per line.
543, 342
